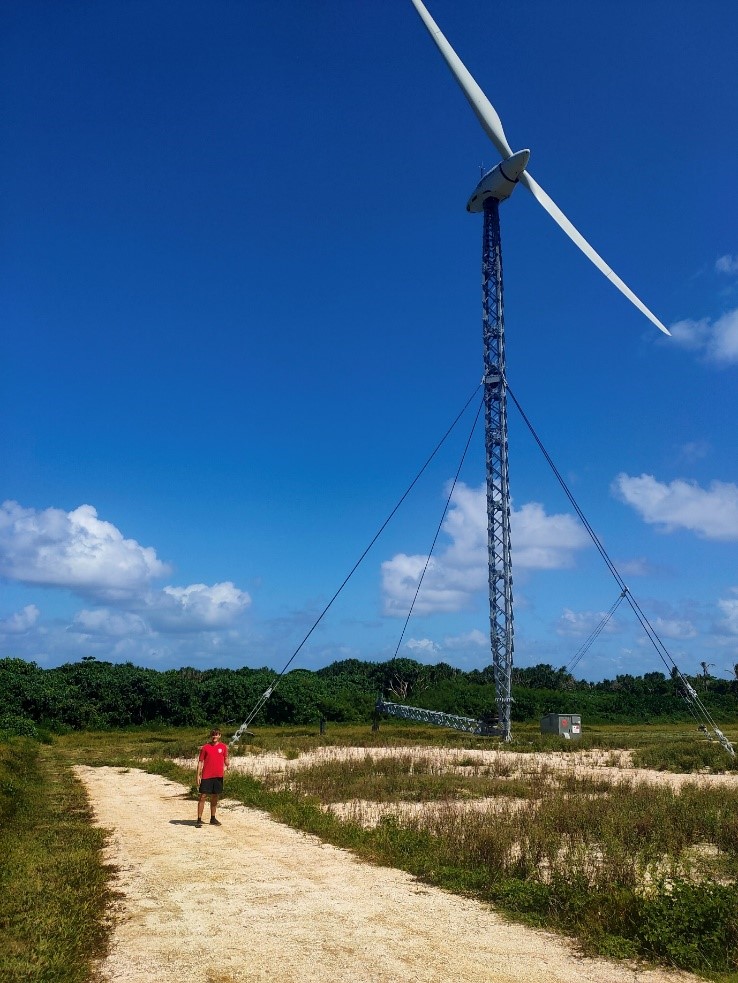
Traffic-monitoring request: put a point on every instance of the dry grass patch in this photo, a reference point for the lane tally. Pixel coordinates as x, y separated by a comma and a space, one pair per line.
368, 814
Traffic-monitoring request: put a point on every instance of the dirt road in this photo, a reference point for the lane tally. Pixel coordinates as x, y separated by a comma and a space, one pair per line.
256, 901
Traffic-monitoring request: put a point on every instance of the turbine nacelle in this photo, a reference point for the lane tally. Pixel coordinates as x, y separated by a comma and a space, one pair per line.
500, 182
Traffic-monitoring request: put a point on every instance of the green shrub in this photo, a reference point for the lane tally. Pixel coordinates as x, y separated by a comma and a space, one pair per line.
525, 897
694, 927
14, 725
685, 756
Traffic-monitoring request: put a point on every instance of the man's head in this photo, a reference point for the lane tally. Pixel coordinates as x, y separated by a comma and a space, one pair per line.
214, 736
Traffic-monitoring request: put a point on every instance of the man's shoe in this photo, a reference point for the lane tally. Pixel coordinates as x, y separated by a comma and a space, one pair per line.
215, 822
198, 824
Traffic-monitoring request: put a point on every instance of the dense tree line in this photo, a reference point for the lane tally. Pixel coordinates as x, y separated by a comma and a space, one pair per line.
91, 694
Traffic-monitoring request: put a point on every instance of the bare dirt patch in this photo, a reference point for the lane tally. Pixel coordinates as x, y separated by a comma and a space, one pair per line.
255, 900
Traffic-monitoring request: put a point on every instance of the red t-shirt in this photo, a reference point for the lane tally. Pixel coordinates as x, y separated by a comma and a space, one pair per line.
214, 757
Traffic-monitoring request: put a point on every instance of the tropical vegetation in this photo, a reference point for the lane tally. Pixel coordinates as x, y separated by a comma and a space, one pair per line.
92, 694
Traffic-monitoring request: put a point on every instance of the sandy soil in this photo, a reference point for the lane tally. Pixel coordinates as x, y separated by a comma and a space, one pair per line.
254, 900
610, 766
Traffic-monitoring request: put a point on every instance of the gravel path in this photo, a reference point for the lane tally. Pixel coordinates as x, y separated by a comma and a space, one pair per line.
257, 901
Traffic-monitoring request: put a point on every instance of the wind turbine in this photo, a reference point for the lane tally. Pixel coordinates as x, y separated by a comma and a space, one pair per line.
496, 186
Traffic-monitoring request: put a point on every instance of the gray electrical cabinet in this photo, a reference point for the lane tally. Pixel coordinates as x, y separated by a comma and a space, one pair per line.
566, 725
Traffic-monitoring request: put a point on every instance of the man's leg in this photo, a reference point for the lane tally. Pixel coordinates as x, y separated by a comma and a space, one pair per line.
213, 807
200, 807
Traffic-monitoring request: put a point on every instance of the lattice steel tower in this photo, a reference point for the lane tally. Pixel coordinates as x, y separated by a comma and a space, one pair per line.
498, 489
495, 186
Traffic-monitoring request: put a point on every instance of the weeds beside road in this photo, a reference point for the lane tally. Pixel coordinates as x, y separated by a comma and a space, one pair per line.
631, 871
54, 897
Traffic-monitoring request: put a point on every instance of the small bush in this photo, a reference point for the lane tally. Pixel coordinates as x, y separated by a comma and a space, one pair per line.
13, 725
694, 927
681, 757
524, 897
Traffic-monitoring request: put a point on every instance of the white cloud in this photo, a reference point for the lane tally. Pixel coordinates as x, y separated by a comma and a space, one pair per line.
729, 607
689, 334
112, 624
638, 566
711, 513
578, 623
674, 628
454, 575
423, 646
727, 264
545, 542
21, 621
444, 588
73, 549
716, 340
80, 552
197, 607
475, 638
464, 642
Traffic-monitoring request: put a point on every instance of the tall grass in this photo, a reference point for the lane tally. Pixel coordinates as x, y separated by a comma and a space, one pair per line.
53, 883
632, 870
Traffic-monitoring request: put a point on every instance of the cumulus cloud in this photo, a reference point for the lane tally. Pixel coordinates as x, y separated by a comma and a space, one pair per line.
716, 341
21, 621
712, 513
545, 542
80, 552
76, 550
539, 542
171, 610
197, 607
444, 588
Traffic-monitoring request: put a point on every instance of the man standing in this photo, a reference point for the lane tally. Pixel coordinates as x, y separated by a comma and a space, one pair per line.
211, 768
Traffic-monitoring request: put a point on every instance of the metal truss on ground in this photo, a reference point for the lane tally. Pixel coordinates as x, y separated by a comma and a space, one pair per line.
452, 720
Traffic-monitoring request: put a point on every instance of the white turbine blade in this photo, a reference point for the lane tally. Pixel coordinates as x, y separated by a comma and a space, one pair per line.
558, 216
483, 108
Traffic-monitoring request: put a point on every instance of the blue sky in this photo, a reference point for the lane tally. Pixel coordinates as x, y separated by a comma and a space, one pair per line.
241, 304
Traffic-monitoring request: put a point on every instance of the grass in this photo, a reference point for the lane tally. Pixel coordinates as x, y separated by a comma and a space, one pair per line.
54, 891
679, 746
627, 876
683, 754
632, 872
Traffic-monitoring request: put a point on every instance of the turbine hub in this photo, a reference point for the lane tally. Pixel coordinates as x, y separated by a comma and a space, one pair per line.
500, 182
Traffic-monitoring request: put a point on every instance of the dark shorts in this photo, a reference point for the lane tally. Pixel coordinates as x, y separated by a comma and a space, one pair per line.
211, 786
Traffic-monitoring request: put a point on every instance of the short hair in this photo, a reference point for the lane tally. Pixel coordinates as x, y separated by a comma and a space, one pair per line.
214, 731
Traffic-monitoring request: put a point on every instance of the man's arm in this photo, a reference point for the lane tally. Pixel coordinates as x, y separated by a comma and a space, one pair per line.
200, 763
